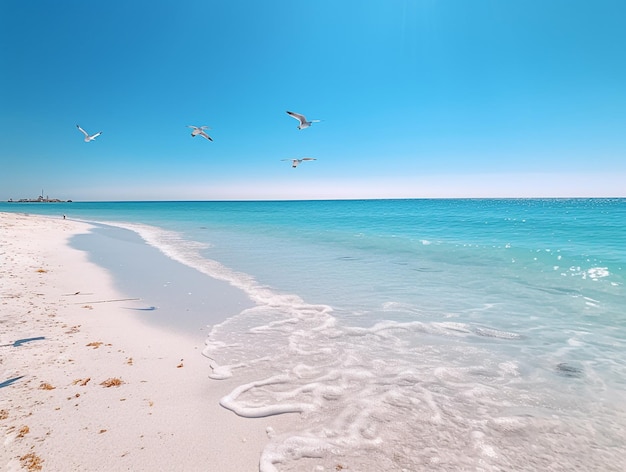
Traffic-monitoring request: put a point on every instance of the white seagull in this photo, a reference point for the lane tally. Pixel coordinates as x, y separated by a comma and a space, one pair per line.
302, 119
87, 137
199, 131
295, 162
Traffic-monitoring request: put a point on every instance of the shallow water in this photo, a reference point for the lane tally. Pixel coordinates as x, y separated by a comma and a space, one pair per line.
413, 334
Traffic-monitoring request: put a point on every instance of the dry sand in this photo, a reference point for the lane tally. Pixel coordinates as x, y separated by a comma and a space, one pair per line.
86, 385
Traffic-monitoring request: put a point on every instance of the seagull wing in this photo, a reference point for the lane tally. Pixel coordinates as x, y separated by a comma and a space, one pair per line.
297, 116
96, 135
204, 135
83, 131
309, 159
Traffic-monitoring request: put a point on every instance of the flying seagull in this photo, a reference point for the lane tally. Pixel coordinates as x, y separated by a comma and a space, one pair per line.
302, 119
199, 131
295, 162
87, 137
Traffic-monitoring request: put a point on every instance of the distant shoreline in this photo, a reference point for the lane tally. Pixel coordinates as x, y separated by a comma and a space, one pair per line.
38, 200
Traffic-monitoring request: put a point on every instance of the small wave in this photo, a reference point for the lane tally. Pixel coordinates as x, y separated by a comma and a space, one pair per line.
496, 333
347, 258
187, 252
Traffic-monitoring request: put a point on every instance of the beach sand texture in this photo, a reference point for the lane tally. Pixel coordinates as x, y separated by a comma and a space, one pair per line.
86, 385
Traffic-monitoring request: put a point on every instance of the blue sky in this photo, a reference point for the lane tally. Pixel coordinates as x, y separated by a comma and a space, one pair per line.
419, 98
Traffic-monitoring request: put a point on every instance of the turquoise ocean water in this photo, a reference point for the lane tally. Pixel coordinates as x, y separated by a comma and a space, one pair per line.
412, 334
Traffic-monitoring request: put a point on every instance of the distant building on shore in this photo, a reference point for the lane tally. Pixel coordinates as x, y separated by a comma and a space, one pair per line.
39, 199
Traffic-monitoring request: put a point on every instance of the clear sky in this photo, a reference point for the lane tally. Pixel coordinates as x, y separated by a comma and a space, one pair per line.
419, 98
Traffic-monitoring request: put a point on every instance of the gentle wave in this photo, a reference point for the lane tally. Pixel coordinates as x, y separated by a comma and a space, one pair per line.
176, 247
367, 396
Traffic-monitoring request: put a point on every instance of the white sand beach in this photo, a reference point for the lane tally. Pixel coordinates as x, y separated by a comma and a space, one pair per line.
85, 384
